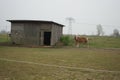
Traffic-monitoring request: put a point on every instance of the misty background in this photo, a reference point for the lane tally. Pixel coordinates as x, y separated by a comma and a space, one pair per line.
87, 14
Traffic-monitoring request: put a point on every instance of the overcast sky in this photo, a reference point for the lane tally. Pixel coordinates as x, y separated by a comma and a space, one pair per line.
87, 13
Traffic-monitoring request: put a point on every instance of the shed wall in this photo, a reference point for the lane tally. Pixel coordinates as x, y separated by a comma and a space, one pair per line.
33, 33
56, 33
17, 31
30, 31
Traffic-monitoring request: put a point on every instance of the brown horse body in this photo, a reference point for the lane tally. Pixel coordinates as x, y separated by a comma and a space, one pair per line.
79, 40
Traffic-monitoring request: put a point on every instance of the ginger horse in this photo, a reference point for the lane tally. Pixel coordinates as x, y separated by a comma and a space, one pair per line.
79, 40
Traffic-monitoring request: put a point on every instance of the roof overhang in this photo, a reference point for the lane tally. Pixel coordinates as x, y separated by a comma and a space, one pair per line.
12, 21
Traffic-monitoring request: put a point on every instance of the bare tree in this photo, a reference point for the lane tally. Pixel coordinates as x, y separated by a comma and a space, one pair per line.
100, 30
116, 32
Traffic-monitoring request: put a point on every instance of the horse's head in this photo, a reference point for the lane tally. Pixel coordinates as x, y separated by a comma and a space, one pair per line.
75, 37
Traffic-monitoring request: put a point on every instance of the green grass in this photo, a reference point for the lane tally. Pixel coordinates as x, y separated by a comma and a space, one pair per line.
104, 42
99, 59
103, 54
4, 38
94, 42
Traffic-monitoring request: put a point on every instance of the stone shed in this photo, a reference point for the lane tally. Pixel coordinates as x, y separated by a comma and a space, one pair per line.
35, 32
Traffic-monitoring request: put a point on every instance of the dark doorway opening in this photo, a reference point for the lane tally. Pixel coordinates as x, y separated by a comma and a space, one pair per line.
47, 38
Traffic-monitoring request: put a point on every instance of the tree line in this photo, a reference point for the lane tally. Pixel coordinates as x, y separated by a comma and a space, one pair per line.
100, 31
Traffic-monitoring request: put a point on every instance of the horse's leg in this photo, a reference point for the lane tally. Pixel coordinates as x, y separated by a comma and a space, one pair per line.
87, 40
87, 44
77, 44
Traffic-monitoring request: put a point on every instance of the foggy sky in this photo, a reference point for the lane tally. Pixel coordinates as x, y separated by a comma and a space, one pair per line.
87, 13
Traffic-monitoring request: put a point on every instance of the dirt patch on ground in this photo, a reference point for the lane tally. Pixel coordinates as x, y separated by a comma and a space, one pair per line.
6, 44
21, 45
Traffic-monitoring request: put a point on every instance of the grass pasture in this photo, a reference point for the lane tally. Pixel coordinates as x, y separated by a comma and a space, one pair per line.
104, 42
43, 64
98, 62
4, 38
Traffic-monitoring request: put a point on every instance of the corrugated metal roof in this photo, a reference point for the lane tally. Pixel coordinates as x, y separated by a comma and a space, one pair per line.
35, 21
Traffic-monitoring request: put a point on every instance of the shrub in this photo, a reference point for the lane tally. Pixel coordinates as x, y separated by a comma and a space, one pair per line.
67, 40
